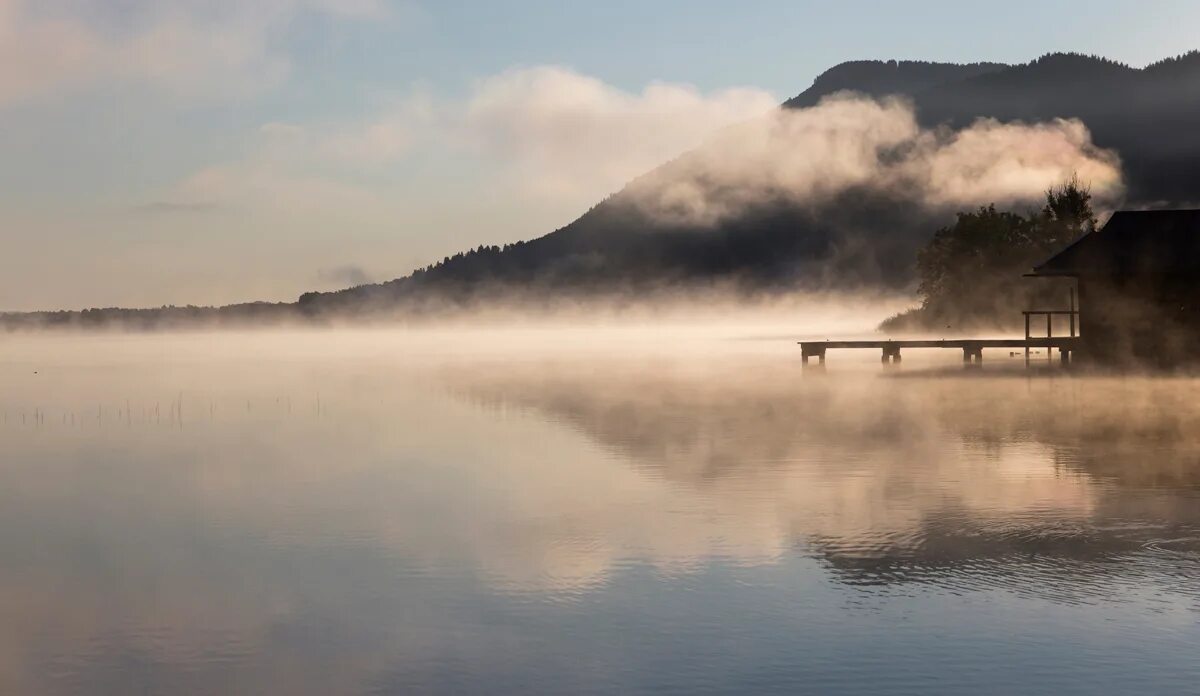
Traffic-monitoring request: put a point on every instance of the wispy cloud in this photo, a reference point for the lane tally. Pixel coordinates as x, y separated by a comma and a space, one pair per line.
175, 208
350, 275
287, 174
562, 133
546, 134
849, 141
183, 47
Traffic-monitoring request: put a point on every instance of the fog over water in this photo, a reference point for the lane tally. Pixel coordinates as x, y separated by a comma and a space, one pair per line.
664, 505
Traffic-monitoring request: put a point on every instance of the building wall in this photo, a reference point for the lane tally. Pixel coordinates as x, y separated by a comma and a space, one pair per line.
1150, 320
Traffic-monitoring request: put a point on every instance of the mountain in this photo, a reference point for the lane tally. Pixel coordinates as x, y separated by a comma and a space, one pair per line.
877, 78
861, 237
1147, 115
616, 250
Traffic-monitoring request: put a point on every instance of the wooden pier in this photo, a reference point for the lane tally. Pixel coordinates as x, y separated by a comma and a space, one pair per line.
972, 348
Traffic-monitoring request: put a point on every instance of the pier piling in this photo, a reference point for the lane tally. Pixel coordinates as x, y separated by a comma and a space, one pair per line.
972, 348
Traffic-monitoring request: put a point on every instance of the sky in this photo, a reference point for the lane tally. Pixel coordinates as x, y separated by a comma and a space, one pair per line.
214, 151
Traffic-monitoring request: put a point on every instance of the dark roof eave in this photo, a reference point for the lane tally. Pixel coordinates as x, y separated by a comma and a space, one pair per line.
1051, 274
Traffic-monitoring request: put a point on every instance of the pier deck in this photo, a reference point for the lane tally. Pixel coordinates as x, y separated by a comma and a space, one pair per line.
972, 348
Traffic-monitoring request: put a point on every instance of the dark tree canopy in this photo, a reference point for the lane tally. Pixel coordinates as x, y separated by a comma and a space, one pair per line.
970, 273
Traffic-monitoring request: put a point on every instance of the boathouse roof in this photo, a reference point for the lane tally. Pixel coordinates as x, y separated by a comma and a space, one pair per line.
1132, 243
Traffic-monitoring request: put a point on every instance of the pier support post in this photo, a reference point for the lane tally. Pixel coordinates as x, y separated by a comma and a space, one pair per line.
817, 352
891, 355
1026, 339
972, 356
1049, 335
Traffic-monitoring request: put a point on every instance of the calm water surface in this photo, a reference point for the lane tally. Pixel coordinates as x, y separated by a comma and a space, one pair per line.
368, 513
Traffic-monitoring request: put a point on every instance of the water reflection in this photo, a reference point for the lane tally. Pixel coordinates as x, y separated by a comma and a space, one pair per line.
368, 520
1062, 487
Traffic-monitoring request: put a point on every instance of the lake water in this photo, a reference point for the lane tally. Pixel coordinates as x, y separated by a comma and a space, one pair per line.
563, 512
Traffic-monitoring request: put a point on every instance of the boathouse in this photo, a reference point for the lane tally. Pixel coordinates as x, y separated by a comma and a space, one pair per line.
1138, 284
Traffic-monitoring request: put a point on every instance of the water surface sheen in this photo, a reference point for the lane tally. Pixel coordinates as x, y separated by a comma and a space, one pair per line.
369, 514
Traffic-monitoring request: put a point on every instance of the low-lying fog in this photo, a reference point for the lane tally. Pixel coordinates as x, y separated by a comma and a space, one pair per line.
617, 506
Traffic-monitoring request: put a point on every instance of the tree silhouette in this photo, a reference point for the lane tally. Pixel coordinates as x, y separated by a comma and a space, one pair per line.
970, 272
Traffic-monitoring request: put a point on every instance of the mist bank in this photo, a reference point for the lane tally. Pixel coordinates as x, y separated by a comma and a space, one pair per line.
804, 313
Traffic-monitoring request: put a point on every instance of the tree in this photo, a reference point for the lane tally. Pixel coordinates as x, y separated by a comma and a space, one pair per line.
970, 272
1067, 215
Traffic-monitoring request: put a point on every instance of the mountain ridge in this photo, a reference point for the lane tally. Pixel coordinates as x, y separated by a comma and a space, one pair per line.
600, 239
878, 78
1145, 114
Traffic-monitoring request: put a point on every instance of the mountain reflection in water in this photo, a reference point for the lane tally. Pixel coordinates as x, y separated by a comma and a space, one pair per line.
1063, 487
338, 513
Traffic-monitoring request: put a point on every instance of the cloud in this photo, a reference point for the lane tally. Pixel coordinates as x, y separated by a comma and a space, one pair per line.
849, 141
550, 131
546, 133
563, 132
344, 276
551, 134
174, 208
1012, 162
529, 147
182, 47
407, 124
263, 185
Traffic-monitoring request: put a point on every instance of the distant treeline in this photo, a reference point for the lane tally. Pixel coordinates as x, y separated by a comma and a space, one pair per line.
165, 317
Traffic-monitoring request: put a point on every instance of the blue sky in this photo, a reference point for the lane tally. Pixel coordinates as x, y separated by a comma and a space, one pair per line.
210, 151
